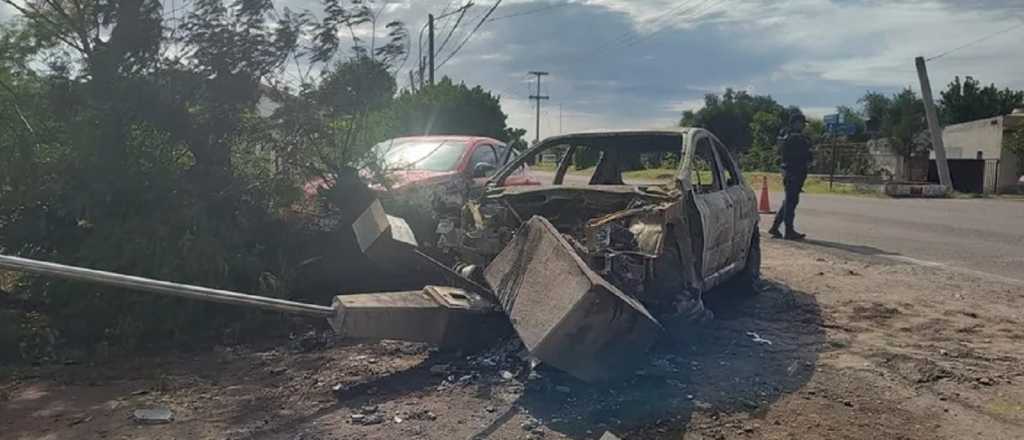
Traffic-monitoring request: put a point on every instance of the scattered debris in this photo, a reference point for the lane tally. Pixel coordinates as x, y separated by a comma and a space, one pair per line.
366, 420
563, 389
506, 375
758, 339
153, 416
440, 369
421, 415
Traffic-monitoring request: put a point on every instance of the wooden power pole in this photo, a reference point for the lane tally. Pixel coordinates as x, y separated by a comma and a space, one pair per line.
538, 97
933, 124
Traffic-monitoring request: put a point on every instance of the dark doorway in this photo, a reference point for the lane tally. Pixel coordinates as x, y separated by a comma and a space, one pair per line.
968, 175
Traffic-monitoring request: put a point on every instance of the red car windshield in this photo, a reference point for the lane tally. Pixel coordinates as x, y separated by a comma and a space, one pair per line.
419, 154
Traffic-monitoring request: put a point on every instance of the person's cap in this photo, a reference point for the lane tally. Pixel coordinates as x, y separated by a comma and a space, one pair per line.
797, 117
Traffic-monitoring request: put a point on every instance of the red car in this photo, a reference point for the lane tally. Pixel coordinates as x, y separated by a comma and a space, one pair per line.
428, 160
423, 175
422, 161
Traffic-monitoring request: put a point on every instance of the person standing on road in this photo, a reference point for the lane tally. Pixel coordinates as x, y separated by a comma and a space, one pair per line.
795, 149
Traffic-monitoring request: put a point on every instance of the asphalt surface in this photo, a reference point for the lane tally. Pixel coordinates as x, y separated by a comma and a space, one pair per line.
983, 236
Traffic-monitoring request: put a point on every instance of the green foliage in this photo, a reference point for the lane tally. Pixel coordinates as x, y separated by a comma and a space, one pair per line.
763, 153
358, 85
968, 101
747, 124
449, 108
132, 149
900, 118
729, 116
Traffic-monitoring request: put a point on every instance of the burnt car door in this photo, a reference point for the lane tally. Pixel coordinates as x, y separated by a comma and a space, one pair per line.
714, 206
743, 207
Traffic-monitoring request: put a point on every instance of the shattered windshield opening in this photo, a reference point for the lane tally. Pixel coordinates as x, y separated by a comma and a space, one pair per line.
416, 154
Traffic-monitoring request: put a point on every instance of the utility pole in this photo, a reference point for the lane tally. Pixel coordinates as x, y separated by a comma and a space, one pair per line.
538, 97
430, 25
559, 118
933, 124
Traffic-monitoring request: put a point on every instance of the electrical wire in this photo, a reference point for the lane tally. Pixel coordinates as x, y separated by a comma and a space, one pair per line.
979, 40
462, 14
471, 33
531, 11
708, 6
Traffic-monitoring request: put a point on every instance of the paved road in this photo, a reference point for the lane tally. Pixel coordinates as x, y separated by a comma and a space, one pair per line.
983, 235
975, 234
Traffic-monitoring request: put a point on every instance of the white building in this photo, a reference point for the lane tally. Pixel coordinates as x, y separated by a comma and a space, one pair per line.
978, 158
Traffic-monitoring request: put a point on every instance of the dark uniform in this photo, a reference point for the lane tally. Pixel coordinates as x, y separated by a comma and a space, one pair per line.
795, 149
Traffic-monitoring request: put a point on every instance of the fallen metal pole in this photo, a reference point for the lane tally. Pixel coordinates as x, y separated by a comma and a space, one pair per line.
162, 287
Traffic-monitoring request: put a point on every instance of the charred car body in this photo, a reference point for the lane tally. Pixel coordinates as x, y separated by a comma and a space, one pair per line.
589, 273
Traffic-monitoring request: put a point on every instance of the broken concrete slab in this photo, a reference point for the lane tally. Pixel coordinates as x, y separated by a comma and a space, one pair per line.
443, 316
153, 416
567, 315
385, 239
609, 436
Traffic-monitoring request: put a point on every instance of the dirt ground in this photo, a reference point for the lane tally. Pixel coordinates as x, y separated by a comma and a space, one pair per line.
838, 346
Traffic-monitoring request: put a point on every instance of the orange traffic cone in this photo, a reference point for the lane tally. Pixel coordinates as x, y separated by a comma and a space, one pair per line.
765, 207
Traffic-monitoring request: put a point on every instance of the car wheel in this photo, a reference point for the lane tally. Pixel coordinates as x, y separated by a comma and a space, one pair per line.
748, 280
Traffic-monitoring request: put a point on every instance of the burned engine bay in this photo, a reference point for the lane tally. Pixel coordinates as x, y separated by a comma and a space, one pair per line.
635, 237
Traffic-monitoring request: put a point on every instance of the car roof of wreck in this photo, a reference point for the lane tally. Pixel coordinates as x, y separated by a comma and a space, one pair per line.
450, 137
616, 135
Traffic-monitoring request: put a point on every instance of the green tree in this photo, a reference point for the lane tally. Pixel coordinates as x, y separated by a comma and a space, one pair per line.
730, 115
968, 101
449, 108
136, 145
899, 118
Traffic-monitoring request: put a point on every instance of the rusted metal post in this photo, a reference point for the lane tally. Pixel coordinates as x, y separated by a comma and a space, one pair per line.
161, 287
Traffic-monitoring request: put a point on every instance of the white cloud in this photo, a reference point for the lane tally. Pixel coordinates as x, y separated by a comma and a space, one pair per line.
622, 63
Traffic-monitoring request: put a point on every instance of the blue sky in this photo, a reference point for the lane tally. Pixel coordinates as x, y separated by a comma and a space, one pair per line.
639, 63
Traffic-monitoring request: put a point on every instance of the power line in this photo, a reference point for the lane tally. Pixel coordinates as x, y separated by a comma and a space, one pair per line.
471, 33
531, 11
689, 13
627, 35
979, 40
462, 13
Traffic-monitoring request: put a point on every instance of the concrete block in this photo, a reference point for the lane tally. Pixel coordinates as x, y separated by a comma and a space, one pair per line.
443, 316
914, 190
385, 239
567, 315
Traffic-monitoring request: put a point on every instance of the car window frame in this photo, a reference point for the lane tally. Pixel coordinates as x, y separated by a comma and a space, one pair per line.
716, 166
723, 154
472, 163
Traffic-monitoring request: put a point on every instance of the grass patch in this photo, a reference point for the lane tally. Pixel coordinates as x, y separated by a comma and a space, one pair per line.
813, 185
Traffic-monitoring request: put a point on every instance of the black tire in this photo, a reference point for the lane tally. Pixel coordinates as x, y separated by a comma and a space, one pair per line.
749, 279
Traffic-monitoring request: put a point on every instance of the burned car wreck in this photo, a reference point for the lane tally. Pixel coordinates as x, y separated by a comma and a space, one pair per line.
590, 270
588, 267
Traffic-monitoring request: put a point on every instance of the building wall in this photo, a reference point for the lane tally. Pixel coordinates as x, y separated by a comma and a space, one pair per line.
963, 141
1009, 172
